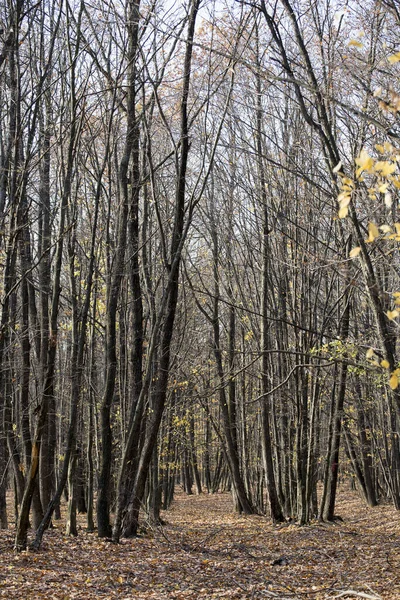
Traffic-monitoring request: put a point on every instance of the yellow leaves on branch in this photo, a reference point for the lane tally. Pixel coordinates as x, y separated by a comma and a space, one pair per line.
383, 168
386, 147
389, 232
394, 379
373, 233
344, 197
384, 171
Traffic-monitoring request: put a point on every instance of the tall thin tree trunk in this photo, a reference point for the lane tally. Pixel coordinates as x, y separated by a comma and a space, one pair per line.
274, 504
167, 317
131, 146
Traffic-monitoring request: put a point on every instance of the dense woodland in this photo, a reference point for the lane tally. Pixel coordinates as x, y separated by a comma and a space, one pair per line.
199, 258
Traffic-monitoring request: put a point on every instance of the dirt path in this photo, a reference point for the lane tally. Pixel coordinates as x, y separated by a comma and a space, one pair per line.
205, 551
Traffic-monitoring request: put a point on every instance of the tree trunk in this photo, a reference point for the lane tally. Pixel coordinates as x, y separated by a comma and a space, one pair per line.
162, 333
71, 527
328, 507
131, 146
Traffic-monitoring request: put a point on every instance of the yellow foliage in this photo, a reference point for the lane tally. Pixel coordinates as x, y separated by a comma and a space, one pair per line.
347, 181
364, 162
355, 252
249, 336
373, 232
392, 314
394, 381
394, 58
355, 43
385, 167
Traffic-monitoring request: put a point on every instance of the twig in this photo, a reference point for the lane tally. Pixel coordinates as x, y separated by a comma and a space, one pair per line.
254, 590
345, 593
208, 537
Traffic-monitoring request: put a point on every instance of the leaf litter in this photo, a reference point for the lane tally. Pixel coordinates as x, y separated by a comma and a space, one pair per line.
206, 551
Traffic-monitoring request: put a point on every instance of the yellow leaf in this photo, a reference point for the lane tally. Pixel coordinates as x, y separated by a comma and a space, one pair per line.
344, 201
379, 147
385, 363
392, 314
385, 228
355, 43
370, 353
394, 58
388, 200
373, 232
355, 252
343, 212
364, 161
394, 381
347, 181
344, 196
338, 167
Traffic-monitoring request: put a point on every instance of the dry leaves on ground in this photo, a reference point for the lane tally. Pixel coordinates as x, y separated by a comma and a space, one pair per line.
205, 551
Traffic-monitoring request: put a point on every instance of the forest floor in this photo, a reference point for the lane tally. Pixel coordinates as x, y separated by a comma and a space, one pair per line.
206, 552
